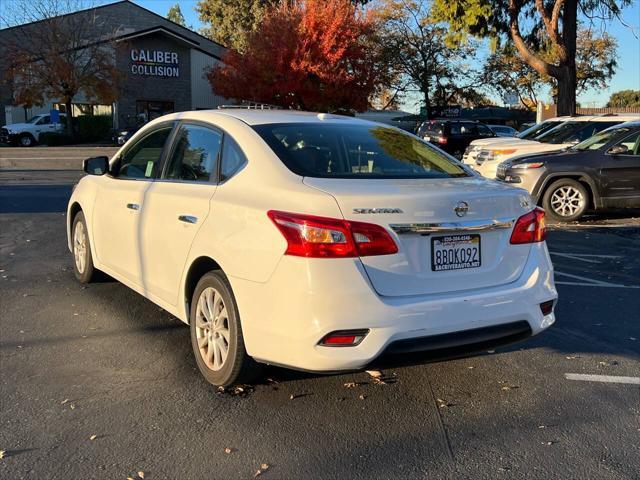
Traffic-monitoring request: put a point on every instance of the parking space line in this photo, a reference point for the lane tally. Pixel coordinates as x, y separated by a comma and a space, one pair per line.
602, 378
584, 257
590, 282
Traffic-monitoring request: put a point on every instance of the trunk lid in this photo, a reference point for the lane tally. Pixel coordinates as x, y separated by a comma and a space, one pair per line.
405, 203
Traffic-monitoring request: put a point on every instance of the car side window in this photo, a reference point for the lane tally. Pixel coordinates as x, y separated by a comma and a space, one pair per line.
632, 143
455, 128
195, 154
232, 158
44, 120
142, 159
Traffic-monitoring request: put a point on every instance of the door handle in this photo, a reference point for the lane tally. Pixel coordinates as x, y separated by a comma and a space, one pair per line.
133, 206
188, 219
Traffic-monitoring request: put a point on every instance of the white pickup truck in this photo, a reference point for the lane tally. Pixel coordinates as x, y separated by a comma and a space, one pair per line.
28, 134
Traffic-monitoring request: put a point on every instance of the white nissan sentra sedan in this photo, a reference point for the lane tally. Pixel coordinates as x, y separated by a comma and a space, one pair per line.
311, 241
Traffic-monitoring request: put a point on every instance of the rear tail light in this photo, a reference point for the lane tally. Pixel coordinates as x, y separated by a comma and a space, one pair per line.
442, 140
546, 307
529, 228
343, 338
320, 237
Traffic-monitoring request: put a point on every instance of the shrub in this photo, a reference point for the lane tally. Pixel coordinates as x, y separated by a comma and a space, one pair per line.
93, 128
55, 139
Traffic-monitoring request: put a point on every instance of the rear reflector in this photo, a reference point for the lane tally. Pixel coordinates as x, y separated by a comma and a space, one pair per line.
546, 307
529, 228
343, 338
320, 237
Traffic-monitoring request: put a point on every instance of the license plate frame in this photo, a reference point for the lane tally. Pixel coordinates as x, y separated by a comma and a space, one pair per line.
466, 258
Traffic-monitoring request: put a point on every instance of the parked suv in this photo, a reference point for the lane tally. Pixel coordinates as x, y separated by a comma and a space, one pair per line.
453, 136
601, 172
565, 135
530, 133
28, 134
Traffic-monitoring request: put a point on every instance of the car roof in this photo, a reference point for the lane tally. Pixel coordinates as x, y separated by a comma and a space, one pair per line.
269, 116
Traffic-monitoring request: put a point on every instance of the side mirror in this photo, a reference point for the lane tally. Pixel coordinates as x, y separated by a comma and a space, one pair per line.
96, 165
618, 149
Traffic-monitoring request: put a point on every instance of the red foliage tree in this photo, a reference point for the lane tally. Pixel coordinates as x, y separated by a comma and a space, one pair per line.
312, 55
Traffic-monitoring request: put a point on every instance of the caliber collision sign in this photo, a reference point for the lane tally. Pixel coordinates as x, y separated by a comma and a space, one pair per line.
155, 63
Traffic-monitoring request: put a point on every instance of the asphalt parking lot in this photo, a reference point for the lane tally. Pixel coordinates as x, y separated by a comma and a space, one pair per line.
98, 382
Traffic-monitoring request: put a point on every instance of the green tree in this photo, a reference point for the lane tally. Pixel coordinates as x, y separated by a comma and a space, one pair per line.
175, 15
229, 22
506, 71
624, 98
532, 26
423, 62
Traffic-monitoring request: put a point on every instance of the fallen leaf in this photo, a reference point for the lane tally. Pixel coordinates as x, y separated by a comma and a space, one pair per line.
264, 466
351, 384
510, 387
362, 397
141, 474
93, 437
548, 443
374, 373
571, 357
2, 452
130, 478
259, 472
64, 401
72, 406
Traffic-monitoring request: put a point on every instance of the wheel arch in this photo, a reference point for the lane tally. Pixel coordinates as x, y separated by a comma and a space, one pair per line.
199, 266
584, 179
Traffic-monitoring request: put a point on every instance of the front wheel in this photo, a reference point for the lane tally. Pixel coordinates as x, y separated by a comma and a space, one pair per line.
216, 333
565, 200
26, 140
82, 259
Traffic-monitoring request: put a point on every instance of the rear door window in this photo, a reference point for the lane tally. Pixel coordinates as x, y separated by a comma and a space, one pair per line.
233, 158
195, 154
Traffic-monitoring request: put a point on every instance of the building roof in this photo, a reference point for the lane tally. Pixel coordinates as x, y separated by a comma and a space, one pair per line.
127, 19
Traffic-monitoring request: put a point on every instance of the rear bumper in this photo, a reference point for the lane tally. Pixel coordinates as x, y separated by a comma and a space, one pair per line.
305, 299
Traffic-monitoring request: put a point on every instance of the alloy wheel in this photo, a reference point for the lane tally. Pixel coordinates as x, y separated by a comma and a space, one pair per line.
212, 328
567, 201
80, 247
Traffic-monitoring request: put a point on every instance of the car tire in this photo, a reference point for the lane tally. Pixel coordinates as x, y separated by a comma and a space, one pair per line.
81, 248
216, 333
565, 200
26, 140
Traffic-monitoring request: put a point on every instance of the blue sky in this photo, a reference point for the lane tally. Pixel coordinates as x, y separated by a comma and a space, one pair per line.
626, 77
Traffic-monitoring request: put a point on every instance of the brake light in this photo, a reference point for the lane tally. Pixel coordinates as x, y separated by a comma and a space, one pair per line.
442, 140
320, 237
529, 228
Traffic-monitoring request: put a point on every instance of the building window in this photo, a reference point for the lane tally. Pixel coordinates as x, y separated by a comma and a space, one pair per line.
151, 109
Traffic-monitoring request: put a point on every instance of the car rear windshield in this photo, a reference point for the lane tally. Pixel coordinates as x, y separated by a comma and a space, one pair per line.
356, 151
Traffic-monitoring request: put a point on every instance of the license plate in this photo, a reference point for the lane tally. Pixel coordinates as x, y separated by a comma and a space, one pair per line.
455, 252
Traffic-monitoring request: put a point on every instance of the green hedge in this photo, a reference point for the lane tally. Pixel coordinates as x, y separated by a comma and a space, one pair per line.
88, 128
55, 139
93, 128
